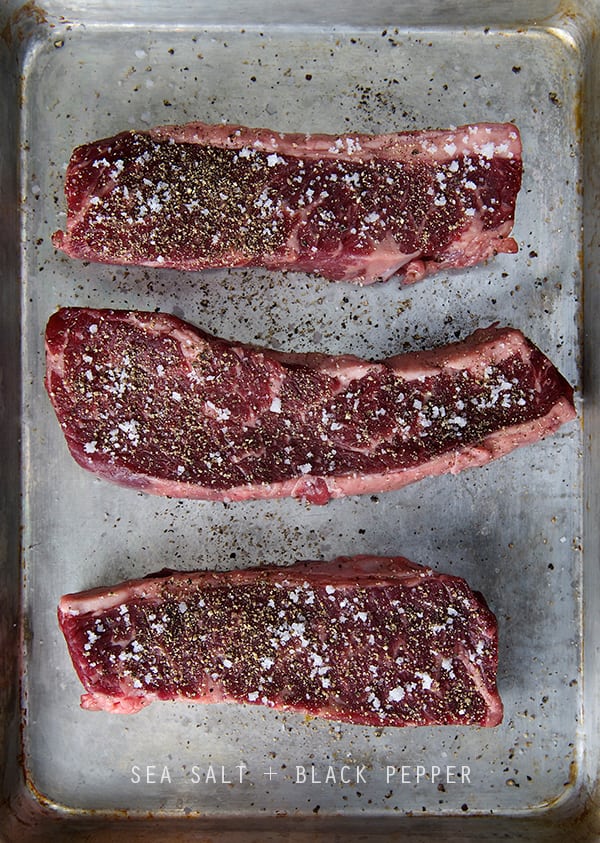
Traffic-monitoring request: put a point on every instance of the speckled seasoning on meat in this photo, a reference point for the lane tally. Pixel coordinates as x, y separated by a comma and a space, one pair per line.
369, 640
148, 401
347, 207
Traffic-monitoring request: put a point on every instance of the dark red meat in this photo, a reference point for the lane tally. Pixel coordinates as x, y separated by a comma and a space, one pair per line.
376, 641
151, 402
348, 207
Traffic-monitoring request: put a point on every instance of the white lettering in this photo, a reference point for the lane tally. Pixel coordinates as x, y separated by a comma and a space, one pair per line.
211, 775
195, 774
346, 774
150, 774
415, 774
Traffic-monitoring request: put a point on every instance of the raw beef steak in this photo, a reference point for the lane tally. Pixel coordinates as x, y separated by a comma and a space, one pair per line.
376, 641
347, 207
148, 401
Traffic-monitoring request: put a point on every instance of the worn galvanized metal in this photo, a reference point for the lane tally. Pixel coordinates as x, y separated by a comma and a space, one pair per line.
524, 530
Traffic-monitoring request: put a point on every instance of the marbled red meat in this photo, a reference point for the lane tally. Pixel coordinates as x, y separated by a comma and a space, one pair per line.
369, 640
148, 401
348, 207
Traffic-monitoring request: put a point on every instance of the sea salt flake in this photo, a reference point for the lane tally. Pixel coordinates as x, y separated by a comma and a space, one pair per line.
426, 680
375, 701
488, 149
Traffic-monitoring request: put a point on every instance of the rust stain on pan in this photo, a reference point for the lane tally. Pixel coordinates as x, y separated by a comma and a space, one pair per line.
16, 25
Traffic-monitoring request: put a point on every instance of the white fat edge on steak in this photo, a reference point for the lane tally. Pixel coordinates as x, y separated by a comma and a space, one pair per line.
487, 140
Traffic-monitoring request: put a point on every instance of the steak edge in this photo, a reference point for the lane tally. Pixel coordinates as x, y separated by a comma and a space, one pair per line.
368, 640
351, 207
150, 402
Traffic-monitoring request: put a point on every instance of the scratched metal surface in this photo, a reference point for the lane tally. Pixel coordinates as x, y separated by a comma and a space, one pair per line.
516, 530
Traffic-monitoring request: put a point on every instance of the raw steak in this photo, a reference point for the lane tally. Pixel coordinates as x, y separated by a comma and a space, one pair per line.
150, 402
376, 641
348, 207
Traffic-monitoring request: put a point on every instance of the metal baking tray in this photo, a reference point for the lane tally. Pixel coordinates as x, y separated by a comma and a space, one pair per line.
523, 530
